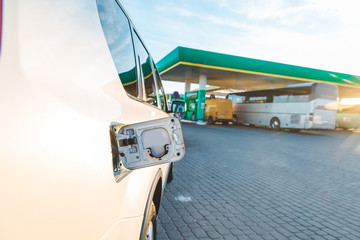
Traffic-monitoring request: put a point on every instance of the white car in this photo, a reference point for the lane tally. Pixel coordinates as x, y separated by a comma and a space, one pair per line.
86, 143
348, 117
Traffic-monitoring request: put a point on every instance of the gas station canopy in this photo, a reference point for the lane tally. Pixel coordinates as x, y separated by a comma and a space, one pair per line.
229, 71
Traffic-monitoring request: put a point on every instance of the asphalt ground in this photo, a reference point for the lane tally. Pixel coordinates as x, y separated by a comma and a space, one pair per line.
239, 182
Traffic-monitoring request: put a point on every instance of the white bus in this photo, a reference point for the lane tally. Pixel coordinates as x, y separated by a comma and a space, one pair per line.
297, 106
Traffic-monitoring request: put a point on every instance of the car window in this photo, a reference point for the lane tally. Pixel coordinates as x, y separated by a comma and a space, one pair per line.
146, 71
118, 36
161, 90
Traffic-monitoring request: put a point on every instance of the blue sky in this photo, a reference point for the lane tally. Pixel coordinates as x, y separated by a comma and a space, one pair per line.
323, 34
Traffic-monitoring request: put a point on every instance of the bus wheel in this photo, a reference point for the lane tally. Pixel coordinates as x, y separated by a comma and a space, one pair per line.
210, 120
275, 123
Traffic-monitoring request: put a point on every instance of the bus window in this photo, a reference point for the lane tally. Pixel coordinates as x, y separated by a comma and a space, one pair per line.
299, 98
280, 99
239, 99
231, 97
326, 91
236, 98
269, 99
257, 99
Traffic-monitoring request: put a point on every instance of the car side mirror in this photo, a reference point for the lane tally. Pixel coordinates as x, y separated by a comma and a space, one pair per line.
178, 106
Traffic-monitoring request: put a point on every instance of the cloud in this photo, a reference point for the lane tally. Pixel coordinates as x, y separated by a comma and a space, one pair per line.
265, 10
345, 11
260, 9
293, 13
207, 17
314, 33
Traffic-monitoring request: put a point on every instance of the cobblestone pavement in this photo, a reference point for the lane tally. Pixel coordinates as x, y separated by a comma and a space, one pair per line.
253, 183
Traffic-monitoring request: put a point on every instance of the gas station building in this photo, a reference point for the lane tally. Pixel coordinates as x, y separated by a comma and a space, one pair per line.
235, 72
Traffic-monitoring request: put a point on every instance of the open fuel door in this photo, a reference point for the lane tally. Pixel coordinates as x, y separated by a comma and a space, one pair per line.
146, 144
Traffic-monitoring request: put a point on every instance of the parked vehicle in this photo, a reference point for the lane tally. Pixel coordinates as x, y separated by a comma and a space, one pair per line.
349, 117
297, 106
218, 110
86, 143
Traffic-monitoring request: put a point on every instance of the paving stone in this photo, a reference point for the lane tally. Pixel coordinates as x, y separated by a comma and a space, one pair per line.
199, 233
222, 230
251, 183
230, 237
214, 235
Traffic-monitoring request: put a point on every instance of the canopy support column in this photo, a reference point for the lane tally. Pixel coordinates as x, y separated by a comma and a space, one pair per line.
187, 85
201, 97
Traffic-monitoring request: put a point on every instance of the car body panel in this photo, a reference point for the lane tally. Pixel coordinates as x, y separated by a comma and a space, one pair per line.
59, 93
219, 109
348, 117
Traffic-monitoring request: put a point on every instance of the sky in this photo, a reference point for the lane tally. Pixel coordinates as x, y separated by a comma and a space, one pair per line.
322, 34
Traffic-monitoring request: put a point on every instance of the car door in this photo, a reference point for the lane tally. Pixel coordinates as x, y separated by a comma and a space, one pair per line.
145, 143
